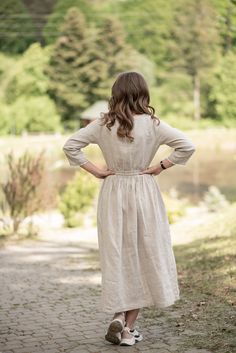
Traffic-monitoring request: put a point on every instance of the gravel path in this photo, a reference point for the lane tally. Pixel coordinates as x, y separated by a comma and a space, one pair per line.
49, 302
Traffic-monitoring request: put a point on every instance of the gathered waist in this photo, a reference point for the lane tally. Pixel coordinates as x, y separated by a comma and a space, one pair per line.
128, 172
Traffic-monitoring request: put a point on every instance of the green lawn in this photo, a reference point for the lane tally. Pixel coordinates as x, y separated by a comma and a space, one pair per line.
205, 314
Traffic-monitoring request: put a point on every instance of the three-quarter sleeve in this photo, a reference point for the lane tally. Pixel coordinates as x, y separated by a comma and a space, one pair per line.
80, 139
173, 137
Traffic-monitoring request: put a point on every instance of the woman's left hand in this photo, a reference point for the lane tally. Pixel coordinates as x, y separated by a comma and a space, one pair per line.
155, 170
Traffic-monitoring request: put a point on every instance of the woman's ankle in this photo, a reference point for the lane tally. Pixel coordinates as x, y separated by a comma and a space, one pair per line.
119, 314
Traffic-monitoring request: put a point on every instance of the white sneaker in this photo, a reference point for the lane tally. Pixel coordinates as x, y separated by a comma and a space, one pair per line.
128, 341
138, 336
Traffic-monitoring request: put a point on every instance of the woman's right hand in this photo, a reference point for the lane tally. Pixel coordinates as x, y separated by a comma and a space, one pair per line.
102, 174
96, 171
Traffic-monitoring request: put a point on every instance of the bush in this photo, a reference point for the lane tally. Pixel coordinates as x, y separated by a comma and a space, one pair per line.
214, 200
32, 114
22, 197
175, 206
77, 198
26, 77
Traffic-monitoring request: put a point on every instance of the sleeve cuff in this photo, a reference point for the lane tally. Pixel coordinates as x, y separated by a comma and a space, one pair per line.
170, 161
83, 163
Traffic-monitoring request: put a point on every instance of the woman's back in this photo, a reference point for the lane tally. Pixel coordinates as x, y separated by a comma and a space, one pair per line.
137, 261
122, 155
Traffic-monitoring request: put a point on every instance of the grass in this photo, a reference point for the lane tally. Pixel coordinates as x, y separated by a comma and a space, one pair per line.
206, 270
204, 317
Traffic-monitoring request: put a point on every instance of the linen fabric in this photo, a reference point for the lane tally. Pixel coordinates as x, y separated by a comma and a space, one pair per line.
136, 256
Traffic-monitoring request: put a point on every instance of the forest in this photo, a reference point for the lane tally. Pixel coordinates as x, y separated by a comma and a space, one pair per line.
57, 58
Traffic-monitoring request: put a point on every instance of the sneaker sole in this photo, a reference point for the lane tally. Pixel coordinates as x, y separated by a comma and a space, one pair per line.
127, 344
111, 338
114, 328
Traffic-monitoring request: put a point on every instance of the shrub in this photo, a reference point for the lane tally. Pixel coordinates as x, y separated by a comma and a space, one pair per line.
32, 114
77, 198
20, 189
175, 206
214, 200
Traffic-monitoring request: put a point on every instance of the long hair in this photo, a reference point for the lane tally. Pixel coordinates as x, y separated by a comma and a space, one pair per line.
129, 96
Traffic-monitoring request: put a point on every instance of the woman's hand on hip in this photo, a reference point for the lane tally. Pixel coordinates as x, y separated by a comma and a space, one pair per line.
155, 170
95, 171
102, 174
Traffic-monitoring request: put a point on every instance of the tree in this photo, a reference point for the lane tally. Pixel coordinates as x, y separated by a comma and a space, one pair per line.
194, 45
52, 29
223, 88
27, 77
67, 67
226, 23
147, 25
109, 55
16, 28
24, 103
84, 64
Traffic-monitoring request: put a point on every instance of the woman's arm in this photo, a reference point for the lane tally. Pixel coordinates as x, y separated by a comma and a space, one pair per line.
94, 170
179, 141
79, 140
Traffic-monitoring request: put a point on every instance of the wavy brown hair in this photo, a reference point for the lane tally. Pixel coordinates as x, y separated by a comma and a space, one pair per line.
129, 96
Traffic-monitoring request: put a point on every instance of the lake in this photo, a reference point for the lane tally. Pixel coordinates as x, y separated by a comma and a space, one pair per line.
213, 163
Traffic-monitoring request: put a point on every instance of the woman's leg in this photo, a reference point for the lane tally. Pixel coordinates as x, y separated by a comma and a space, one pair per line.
120, 315
130, 317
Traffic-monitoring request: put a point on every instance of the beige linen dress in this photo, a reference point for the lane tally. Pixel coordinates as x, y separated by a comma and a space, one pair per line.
136, 256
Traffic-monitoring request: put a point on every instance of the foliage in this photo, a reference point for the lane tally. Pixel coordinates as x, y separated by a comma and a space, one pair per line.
67, 67
174, 97
27, 76
175, 207
22, 198
24, 103
112, 55
214, 200
195, 43
53, 28
226, 11
224, 81
83, 66
185, 50
147, 24
29, 114
17, 30
194, 36
77, 198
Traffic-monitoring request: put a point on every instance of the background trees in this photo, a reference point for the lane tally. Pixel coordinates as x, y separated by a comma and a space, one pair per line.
64, 56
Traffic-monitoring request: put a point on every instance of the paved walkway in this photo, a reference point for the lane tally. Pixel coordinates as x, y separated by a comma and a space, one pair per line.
49, 302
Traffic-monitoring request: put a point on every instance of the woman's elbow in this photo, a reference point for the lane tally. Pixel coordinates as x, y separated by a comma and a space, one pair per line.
191, 147
66, 146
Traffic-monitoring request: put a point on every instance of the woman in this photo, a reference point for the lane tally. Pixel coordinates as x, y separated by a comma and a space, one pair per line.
136, 256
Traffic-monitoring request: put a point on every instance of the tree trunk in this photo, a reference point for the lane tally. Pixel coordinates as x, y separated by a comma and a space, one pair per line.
196, 97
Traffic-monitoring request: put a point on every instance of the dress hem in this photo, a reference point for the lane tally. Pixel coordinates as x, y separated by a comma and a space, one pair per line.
139, 306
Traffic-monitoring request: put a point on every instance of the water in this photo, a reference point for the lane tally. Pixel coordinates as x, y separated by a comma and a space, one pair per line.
213, 163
